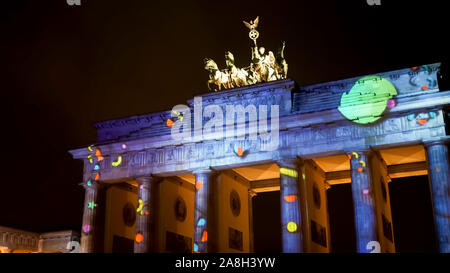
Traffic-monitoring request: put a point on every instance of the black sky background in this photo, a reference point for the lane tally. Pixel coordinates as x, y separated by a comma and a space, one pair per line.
66, 67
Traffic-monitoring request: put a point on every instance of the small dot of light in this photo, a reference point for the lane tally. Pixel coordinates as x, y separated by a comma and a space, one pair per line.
204, 236
366, 191
199, 185
436, 169
422, 121
391, 103
240, 151
146, 213
86, 228
291, 227
97, 177
362, 163
290, 198
169, 123
201, 222
195, 247
349, 156
96, 167
89, 183
424, 87
124, 146
360, 169
139, 238
90, 148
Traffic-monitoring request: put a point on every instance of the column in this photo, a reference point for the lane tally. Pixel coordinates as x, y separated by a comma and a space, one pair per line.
144, 215
251, 194
89, 217
290, 207
439, 176
363, 200
204, 223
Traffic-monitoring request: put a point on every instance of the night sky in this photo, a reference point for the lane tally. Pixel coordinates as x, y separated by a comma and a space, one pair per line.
66, 67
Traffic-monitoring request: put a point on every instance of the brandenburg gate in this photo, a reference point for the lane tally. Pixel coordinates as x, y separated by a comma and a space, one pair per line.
148, 191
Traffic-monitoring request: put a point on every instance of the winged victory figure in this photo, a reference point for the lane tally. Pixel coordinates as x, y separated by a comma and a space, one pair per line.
252, 24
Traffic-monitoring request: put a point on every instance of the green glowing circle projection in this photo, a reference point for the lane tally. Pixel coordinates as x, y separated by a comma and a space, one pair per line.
367, 99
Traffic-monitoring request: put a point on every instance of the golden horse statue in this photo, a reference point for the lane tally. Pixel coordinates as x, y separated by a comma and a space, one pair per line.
238, 76
264, 67
282, 66
217, 77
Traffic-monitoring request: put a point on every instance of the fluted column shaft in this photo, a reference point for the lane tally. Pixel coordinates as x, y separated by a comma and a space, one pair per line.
290, 207
203, 218
363, 200
142, 242
88, 231
439, 177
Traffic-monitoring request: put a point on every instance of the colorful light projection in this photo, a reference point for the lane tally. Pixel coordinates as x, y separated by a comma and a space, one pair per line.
367, 99
360, 169
417, 78
198, 185
170, 122
239, 151
141, 207
91, 160
363, 164
289, 172
422, 118
124, 146
290, 198
97, 177
92, 205
291, 227
117, 162
89, 183
90, 148
195, 248
366, 191
204, 236
201, 222
86, 228
96, 167
98, 154
139, 237
391, 103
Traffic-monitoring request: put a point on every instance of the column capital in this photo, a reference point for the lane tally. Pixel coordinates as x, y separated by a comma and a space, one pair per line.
91, 185
288, 163
443, 141
146, 179
360, 151
203, 171
252, 193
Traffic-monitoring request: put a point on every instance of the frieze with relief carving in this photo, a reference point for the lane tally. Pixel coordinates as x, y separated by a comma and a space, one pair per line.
300, 141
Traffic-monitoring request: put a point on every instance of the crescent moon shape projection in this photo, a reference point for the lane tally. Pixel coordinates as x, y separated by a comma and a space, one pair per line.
367, 99
117, 162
